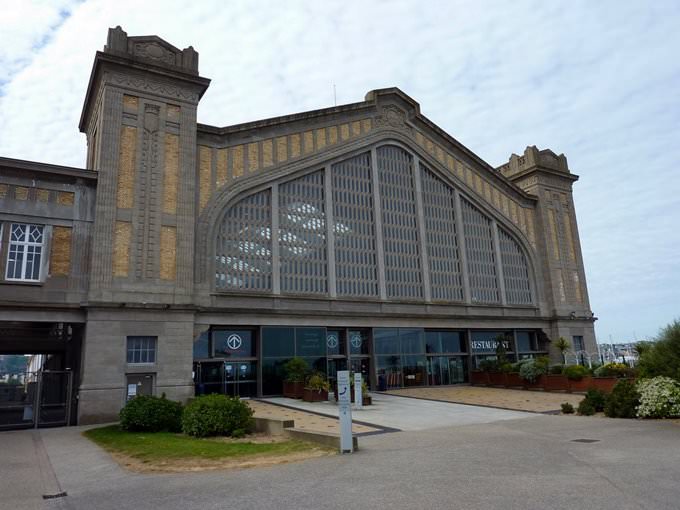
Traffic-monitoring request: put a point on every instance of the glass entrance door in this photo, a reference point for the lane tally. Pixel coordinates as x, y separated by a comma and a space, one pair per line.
240, 378
444, 370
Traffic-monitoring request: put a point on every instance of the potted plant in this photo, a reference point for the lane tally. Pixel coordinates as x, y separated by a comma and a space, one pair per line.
579, 378
532, 371
295, 370
555, 380
316, 389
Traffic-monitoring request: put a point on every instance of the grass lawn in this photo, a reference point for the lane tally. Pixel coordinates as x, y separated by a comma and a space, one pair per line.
166, 446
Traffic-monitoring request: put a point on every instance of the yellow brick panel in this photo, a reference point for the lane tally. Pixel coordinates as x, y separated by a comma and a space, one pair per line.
569, 238
530, 226
4, 189
552, 220
344, 132
130, 102
65, 198
21, 193
333, 135
43, 195
440, 153
221, 168
577, 287
204, 175
320, 135
253, 157
419, 139
429, 146
121, 248
294, 145
308, 138
170, 173
281, 149
60, 255
237, 161
450, 162
127, 156
366, 125
356, 128
168, 262
267, 153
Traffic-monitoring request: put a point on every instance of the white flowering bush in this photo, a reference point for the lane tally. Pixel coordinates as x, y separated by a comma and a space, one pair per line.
659, 398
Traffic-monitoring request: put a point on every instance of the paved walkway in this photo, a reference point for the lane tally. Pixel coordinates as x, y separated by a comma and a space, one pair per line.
525, 464
304, 420
408, 413
519, 400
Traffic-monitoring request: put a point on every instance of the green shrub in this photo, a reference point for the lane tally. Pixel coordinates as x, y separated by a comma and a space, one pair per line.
556, 370
662, 357
613, 370
488, 365
597, 398
295, 370
622, 402
567, 408
659, 398
217, 415
531, 369
586, 408
576, 372
151, 414
506, 367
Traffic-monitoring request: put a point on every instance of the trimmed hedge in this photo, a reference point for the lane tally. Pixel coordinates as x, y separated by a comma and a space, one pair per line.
217, 415
151, 414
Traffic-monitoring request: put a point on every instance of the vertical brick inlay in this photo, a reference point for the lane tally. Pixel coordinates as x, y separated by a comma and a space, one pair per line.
60, 255
170, 173
168, 262
126, 167
253, 157
308, 139
237, 161
221, 168
281, 149
204, 175
554, 234
569, 238
267, 153
294, 145
121, 248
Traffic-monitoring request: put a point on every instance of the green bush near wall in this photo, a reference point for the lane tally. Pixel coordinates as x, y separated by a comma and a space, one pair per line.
151, 414
217, 415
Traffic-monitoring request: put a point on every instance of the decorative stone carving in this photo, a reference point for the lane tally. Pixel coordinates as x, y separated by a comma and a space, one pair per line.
393, 117
156, 87
154, 51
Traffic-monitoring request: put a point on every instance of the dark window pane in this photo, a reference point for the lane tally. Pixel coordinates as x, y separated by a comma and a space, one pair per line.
452, 341
386, 341
411, 341
524, 341
202, 346
272, 376
233, 343
310, 342
335, 342
359, 341
278, 342
414, 370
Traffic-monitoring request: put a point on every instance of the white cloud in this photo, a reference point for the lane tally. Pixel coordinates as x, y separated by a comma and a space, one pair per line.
597, 81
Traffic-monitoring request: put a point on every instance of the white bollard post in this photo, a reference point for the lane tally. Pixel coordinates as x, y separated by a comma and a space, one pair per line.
358, 392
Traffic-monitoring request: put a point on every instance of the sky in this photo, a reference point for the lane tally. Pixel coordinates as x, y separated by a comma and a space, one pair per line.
597, 81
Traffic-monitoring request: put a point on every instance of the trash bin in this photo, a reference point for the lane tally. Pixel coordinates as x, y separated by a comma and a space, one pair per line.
382, 383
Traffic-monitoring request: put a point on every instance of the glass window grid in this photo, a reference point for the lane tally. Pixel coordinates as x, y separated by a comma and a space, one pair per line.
244, 259
141, 350
25, 252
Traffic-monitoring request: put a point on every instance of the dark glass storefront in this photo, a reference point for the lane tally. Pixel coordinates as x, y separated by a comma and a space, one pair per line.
248, 362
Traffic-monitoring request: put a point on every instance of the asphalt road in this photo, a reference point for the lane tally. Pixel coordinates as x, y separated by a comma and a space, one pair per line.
525, 464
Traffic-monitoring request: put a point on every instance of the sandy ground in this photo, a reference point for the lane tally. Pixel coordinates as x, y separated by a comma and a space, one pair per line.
518, 400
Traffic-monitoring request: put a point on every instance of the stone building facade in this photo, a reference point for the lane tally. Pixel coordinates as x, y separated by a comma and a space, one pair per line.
190, 258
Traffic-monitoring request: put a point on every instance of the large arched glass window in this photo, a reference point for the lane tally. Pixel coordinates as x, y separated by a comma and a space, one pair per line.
366, 216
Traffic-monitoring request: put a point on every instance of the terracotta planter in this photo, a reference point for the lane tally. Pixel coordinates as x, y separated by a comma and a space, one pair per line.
582, 385
479, 377
536, 385
498, 378
513, 380
311, 395
556, 382
366, 400
293, 389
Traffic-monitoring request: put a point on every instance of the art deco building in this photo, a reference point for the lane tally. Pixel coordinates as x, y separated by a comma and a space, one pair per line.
192, 258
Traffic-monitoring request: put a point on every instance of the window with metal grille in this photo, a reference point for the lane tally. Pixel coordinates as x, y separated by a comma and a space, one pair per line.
515, 271
25, 252
480, 255
141, 349
440, 233
302, 235
354, 228
577, 343
244, 245
403, 274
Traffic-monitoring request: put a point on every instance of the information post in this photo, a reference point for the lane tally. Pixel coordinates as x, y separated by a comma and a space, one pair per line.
345, 410
358, 391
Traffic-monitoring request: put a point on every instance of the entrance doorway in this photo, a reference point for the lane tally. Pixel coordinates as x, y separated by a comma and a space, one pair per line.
231, 378
443, 370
